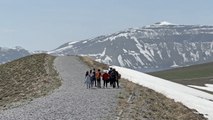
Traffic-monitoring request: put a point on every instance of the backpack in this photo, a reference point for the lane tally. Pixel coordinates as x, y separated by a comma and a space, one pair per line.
113, 75
119, 76
98, 75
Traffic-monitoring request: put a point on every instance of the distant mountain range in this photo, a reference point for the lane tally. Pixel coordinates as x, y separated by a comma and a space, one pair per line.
9, 54
150, 48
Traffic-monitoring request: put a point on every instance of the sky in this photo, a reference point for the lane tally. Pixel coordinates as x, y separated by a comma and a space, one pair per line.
47, 24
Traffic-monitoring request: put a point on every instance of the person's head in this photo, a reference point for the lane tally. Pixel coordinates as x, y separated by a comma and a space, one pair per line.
99, 70
90, 71
87, 73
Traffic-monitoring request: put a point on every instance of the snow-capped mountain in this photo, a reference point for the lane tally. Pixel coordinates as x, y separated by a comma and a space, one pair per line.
153, 47
9, 54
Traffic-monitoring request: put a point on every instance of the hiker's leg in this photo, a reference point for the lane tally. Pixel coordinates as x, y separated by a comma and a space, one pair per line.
113, 83
99, 83
103, 83
118, 83
106, 83
91, 83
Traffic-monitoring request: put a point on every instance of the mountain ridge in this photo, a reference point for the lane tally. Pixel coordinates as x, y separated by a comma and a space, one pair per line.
149, 48
10, 54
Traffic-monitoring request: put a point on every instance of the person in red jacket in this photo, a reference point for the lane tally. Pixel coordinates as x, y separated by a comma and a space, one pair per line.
105, 78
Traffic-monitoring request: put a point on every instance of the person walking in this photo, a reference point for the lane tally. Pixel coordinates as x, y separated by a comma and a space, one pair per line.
105, 78
118, 76
113, 77
94, 79
87, 79
98, 78
110, 77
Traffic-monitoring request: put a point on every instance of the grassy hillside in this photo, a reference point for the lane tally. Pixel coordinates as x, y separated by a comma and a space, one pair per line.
196, 71
27, 78
192, 75
146, 104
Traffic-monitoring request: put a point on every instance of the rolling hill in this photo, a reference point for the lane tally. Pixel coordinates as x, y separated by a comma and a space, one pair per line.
196, 75
27, 78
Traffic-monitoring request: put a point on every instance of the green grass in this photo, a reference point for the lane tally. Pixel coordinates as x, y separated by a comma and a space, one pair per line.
191, 72
27, 78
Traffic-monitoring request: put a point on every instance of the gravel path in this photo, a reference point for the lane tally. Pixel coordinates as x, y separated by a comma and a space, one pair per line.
72, 101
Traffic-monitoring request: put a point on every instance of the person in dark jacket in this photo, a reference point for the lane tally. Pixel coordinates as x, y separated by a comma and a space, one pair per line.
110, 77
92, 77
113, 77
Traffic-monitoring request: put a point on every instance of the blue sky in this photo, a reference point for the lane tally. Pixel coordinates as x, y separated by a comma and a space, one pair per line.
47, 24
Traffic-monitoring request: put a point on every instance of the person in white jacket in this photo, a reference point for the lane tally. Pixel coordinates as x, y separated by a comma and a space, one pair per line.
87, 80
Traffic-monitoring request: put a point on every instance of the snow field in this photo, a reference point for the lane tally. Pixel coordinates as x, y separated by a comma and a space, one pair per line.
192, 98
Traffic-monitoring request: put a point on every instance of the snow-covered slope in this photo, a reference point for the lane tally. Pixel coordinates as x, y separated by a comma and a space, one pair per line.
154, 47
9, 54
192, 98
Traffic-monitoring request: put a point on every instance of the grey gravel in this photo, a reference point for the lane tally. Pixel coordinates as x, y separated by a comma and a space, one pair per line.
72, 101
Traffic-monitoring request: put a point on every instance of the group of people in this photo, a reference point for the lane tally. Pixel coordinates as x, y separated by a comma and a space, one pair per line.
93, 78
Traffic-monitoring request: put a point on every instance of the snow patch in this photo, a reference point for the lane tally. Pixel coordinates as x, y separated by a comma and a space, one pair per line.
159, 53
139, 60
207, 87
71, 43
145, 52
185, 59
103, 53
164, 23
113, 37
107, 60
129, 64
192, 98
84, 42
120, 60
194, 56
125, 51
175, 65
136, 56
